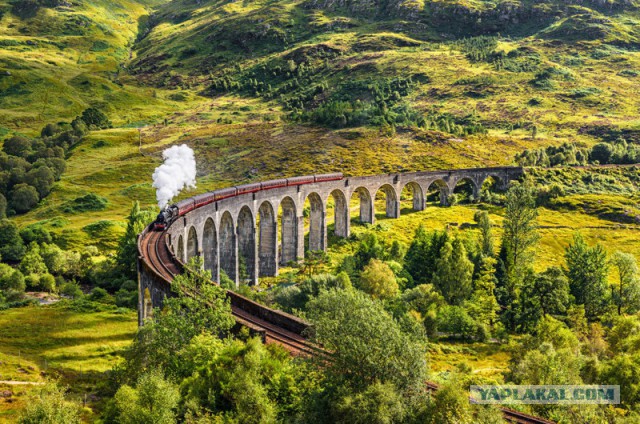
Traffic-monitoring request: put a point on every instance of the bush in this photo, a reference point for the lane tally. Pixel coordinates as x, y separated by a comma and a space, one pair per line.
100, 295
90, 202
378, 280
455, 321
12, 247
71, 289
11, 279
48, 282
95, 119
17, 146
23, 198
49, 406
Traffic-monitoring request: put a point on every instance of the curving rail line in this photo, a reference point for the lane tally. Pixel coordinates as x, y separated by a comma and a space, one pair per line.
153, 248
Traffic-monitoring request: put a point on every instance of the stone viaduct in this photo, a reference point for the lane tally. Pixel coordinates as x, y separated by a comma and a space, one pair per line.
242, 231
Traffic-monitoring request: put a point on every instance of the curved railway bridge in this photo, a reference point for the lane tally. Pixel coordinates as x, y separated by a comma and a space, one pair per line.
245, 221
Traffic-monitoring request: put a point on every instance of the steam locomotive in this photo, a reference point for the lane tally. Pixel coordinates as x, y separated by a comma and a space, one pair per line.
170, 213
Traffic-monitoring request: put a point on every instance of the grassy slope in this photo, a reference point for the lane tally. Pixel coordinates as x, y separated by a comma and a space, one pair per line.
74, 347
188, 43
60, 61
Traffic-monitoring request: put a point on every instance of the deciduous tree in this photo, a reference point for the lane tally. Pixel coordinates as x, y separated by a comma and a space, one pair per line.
627, 295
378, 280
153, 400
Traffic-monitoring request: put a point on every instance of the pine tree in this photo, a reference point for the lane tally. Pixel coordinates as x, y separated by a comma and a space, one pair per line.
453, 272
486, 234
483, 306
587, 269
127, 248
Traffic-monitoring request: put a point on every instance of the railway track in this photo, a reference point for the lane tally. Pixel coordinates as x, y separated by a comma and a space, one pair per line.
161, 261
510, 415
158, 256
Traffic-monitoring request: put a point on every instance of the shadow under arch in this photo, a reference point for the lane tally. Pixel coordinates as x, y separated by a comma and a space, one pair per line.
180, 252
466, 189
147, 304
192, 244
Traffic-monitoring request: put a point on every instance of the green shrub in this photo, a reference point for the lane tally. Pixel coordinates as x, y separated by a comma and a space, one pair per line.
90, 202
455, 321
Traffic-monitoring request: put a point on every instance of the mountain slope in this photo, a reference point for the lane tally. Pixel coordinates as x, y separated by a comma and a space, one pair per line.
59, 57
561, 67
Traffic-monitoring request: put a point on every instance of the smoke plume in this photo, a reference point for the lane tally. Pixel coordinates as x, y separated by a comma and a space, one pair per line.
176, 173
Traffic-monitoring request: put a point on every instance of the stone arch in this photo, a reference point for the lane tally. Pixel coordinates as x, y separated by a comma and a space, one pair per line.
210, 248
366, 205
192, 243
467, 184
289, 231
441, 187
392, 205
228, 247
247, 243
417, 195
341, 214
180, 253
267, 241
317, 224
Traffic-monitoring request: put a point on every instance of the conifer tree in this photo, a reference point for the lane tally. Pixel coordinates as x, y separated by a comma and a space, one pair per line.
453, 272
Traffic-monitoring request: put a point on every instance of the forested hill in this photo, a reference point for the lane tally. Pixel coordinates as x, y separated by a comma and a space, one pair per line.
456, 67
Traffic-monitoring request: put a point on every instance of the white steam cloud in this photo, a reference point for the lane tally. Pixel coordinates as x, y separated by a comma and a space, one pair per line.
176, 173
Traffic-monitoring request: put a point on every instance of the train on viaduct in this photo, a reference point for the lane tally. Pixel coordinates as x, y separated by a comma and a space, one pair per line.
244, 221
221, 225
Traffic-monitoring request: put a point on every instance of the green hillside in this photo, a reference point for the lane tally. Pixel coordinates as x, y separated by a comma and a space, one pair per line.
92, 92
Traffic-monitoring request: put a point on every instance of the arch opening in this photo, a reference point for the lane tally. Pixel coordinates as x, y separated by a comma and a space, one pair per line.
437, 193
210, 249
192, 244
412, 197
338, 201
246, 246
315, 223
491, 189
147, 304
180, 253
465, 190
363, 196
387, 195
288, 231
228, 257
267, 241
